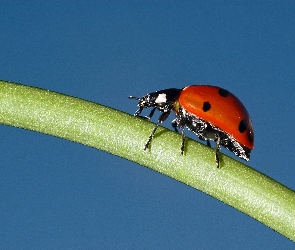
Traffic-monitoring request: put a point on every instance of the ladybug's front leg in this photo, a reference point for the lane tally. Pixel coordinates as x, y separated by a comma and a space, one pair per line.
162, 118
151, 114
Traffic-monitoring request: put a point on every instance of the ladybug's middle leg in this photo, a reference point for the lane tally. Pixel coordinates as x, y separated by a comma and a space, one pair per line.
180, 123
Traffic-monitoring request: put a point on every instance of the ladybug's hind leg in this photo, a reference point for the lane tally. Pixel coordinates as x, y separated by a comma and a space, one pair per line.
211, 134
182, 141
216, 150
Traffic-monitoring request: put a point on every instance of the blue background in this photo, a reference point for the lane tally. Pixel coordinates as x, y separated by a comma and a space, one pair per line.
56, 194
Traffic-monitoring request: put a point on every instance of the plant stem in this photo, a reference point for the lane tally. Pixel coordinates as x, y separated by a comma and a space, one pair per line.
122, 134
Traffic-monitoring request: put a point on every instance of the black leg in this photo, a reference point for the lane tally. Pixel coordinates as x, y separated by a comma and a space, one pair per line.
162, 118
151, 136
216, 150
183, 140
151, 114
138, 111
174, 125
180, 123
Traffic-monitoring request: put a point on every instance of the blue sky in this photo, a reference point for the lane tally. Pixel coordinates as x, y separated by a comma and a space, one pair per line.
57, 194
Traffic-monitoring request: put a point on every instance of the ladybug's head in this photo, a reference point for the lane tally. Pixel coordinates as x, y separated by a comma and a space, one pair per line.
163, 100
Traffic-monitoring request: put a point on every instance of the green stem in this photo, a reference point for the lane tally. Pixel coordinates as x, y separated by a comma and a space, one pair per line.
124, 135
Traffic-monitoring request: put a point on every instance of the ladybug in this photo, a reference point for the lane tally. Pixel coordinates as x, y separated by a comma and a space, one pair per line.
211, 112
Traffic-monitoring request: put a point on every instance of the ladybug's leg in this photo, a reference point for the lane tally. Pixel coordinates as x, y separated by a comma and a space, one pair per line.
178, 122
139, 104
162, 118
151, 136
151, 114
216, 150
208, 143
183, 140
175, 125
138, 111
145, 117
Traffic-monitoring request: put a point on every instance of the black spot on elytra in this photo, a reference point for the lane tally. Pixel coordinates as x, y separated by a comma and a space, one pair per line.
243, 126
223, 92
206, 106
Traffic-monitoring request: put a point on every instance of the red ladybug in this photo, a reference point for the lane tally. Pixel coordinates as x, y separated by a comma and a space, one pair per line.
211, 112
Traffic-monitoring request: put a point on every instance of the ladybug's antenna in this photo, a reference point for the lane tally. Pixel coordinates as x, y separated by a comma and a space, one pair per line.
134, 97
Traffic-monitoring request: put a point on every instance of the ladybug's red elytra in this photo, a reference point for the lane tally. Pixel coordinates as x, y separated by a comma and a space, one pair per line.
211, 112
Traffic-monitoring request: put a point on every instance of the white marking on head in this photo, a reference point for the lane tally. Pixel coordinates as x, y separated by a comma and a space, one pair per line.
161, 98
